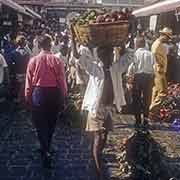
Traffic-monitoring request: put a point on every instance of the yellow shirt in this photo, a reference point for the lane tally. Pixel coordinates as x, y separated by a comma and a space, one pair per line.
161, 57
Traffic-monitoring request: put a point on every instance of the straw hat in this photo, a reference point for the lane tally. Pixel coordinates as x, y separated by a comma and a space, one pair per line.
167, 31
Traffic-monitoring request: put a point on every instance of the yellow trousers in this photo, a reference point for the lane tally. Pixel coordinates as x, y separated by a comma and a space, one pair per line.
159, 90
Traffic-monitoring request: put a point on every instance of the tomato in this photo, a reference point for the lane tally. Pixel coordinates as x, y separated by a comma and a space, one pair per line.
100, 19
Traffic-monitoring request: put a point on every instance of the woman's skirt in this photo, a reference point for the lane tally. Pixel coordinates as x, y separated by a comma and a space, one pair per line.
102, 121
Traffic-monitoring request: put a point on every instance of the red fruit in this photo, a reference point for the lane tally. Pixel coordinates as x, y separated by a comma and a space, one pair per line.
100, 19
108, 19
162, 113
120, 12
122, 17
119, 17
107, 16
125, 10
114, 20
115, 15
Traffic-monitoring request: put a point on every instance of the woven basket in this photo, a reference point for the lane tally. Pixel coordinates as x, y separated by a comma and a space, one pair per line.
102, 34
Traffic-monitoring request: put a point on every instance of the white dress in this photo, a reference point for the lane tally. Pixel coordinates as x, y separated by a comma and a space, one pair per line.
117, 69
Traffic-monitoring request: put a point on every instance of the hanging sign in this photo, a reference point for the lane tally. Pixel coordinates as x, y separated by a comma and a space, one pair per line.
153, 22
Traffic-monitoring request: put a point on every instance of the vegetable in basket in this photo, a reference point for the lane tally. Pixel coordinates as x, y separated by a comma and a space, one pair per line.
96, 17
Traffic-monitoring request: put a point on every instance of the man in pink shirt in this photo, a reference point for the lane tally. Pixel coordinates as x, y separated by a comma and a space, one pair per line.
45, 91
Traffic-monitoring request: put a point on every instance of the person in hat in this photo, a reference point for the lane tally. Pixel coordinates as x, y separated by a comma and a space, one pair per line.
160, 68
98, 98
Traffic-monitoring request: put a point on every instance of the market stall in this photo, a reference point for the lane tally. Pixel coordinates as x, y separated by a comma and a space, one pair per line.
16, 7
13, 15
158, 8
164, 11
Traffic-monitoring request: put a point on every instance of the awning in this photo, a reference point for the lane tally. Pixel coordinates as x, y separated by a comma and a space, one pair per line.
161, 7
14, 6
36, 15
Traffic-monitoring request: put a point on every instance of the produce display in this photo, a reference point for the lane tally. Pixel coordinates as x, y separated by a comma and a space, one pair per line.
70, 116
97, 17
170, 107
141, 157
97, 27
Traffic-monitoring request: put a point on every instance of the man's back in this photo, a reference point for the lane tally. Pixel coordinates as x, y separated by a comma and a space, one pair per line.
160, 56
144, 61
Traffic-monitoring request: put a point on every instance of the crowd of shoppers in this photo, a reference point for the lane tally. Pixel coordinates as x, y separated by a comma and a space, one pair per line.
50, 65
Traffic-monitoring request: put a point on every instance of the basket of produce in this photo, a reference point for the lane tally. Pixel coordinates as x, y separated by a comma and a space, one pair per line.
94, 28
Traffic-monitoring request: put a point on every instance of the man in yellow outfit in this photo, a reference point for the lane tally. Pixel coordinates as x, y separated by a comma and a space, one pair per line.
160, 68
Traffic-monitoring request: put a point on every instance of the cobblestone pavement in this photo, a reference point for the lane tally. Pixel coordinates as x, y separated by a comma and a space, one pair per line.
123, 128
20, 160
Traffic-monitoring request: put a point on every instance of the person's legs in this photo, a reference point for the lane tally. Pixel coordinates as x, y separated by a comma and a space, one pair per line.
99, 142
104, 139
51, 111
159, 91
96, 152
41, 125
136, 100
84, 115
44, 117
147, 95
51, 127
154, 97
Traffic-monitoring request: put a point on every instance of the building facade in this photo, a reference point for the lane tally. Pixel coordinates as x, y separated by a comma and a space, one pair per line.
124, 2
102, 2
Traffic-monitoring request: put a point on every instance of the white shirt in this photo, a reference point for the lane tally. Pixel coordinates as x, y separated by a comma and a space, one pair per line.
36, 50
3, 65
94, 69
29, 50
56, 48
178, 45
143, 62
117, 69
61, 57
81, 76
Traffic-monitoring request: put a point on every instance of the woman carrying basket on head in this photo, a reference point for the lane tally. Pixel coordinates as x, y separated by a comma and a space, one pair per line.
98, 96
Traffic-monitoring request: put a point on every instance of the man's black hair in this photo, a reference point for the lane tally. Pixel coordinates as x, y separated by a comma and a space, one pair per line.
45, 42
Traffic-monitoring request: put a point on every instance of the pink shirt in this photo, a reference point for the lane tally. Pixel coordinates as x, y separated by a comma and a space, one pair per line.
45, 70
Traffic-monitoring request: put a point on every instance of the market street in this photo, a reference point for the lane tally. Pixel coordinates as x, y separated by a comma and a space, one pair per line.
20, 160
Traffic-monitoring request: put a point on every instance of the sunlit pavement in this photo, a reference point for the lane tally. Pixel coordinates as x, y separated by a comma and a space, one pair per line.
20, 159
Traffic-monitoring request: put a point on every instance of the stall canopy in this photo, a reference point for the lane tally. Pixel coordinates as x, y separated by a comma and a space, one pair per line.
36, 15
15, 6
161, 7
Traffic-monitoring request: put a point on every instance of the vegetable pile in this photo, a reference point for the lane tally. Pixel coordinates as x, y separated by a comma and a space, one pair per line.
170, 107
70, 116
141, 157
98, 17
